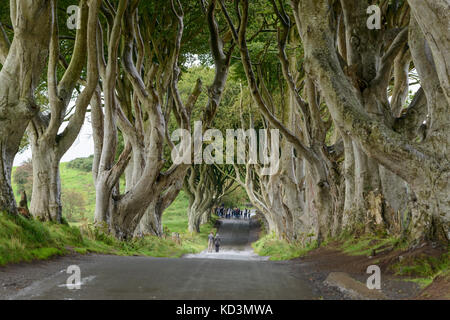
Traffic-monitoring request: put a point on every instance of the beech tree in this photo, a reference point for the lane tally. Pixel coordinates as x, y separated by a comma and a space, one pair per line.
48, 145
153, 77
364, 112
351, 68
202, 182
206, 185
319, 170
331, 77
23, 61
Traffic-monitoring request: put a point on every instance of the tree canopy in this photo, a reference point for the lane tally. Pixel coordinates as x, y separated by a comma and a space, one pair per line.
358, 149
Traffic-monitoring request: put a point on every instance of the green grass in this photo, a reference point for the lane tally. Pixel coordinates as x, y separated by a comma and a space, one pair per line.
277, 249
175, 220
76, 180
27, 240
422, 282
423, 269
175, 216
366, 244
82, 182
423, 266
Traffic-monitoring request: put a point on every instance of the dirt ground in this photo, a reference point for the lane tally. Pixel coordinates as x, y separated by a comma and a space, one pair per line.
438, 290
320, 262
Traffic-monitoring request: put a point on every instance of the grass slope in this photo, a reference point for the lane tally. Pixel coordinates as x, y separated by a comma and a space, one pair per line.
278, 249
27, 240
76, 180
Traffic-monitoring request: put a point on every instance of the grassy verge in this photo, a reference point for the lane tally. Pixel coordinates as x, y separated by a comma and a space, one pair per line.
175, 220
27, 240
277, 249
419, 268
369, 244
423, 269
75, 180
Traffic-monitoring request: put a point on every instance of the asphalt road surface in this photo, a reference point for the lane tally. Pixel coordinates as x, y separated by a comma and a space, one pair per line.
234, 273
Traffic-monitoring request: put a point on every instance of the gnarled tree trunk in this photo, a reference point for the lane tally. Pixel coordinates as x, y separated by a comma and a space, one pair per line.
46, 196
47, 144
423, 165
19, 76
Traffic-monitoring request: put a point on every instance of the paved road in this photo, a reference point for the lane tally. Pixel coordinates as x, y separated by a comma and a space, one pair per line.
236, 238
235, 274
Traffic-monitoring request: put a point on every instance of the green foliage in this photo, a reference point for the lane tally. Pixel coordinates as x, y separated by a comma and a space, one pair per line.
175, 219
366, 244
23, 178
79, 182
423, 269
27, 240
278, 249
423, 266
420, 269
175, 216
24, 144
98, 240
74, 207
82, 164
237, 198
422, 282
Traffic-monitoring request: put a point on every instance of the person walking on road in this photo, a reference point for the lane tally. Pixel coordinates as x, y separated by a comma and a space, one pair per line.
210, 242
217, 242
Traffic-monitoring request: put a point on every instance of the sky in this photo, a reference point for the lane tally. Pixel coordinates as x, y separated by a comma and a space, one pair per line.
82, 147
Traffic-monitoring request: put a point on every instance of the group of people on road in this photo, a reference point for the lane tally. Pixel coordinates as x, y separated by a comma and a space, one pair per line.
227, 213
235, 213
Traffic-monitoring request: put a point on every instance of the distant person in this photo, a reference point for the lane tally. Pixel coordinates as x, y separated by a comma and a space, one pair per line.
210, 241
217, 242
